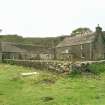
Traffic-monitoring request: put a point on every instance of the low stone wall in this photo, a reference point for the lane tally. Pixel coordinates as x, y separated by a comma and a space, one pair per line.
27, 63
59, 66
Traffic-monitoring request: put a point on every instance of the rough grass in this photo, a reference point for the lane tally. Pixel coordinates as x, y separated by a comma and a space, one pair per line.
51, 89
97, 68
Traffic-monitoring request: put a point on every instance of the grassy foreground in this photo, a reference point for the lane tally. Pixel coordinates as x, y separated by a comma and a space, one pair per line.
50, 89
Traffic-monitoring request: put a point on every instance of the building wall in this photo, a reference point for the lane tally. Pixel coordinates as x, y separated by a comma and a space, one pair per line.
60, 53
87, 51
13, 55
78, 52
99, 48
0, 56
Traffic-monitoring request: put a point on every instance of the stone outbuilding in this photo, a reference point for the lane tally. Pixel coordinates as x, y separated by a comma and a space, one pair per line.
10, 50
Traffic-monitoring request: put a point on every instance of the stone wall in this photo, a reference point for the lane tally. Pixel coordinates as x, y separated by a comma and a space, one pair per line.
57, 66
0, 56
99, 48
78, 52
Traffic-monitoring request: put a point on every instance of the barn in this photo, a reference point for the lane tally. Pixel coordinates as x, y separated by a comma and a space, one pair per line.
10, 50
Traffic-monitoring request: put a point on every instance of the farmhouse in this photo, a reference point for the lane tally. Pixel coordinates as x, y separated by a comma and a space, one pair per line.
89, 46
37, 52
10, 50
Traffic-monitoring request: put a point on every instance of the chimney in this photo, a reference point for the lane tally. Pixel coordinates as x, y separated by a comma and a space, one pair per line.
98, 29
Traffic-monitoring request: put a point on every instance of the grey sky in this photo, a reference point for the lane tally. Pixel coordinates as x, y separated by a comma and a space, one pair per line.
41, 18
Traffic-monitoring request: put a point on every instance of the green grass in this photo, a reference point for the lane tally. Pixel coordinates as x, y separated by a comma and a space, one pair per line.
98, 68
49, 88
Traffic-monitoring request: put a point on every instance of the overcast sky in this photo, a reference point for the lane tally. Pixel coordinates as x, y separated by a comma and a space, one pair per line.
42, 18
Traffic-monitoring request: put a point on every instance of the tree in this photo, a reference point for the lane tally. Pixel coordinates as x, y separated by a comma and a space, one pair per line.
80, 31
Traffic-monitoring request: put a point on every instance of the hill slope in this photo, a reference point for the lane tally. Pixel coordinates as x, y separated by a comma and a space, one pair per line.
48, 41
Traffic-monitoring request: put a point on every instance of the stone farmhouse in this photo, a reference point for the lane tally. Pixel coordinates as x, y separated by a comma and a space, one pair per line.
9, 50
89, 46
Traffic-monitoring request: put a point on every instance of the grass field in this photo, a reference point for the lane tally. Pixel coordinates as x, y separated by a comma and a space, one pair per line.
51, 89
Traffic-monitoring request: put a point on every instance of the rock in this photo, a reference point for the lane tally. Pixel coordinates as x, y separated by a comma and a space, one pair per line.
30, 73
47, 98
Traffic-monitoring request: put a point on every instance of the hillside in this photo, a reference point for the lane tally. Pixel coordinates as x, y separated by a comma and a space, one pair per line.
48, 41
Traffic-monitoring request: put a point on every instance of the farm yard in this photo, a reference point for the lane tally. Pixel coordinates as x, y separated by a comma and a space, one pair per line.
52, 53
50, 88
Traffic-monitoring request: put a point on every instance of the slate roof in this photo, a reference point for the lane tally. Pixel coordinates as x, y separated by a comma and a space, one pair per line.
16, 47
10, 47
77, 40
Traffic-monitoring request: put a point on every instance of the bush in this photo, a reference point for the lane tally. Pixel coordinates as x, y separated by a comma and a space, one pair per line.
97, 68
76, 70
